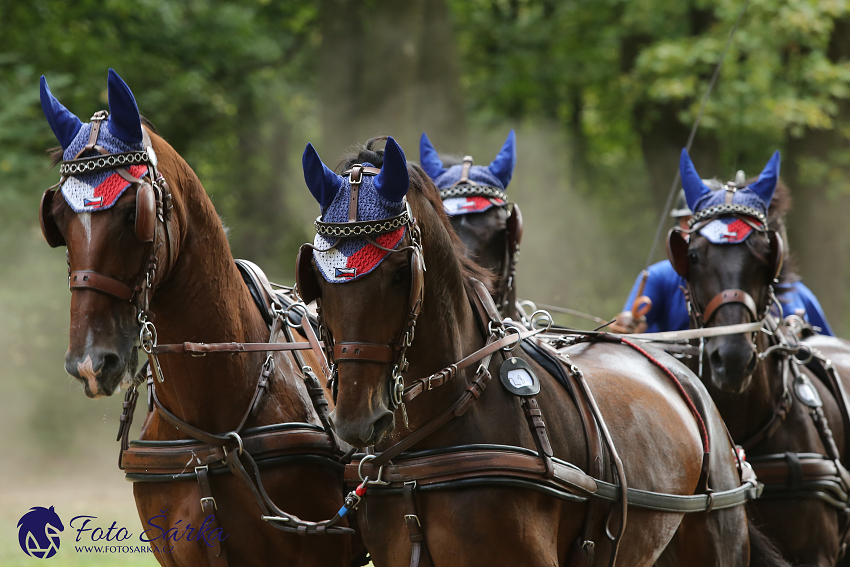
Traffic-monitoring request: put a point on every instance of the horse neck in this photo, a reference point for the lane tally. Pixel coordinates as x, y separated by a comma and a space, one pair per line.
747, 413
205, 300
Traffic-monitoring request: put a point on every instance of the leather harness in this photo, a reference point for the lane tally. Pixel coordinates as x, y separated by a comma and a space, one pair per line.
784, 475
208, 453
396, 470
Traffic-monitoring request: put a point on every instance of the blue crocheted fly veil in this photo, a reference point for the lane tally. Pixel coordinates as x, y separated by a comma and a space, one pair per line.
753, 201
122, 132
380, 197
498, 174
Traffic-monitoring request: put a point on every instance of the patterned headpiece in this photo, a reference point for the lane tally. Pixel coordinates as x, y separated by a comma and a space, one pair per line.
379, 197
490, 182
726, 205
121, 132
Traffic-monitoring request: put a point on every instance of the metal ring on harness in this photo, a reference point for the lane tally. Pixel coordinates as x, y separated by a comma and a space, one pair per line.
366, 479
295, 307
508, 329
537, 316
807, 348
238, 440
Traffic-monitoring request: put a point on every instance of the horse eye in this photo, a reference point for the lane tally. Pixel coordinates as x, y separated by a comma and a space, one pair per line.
400, 275
693, 258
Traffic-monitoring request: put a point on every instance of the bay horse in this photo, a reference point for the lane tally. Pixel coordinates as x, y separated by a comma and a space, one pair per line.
388, 317
791, 420
158, 252
477, 205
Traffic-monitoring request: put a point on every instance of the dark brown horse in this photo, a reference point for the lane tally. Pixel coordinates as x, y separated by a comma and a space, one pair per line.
196, 293
651, 424
762, 392
489, 226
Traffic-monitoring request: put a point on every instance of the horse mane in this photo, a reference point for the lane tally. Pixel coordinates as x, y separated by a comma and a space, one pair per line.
421, 185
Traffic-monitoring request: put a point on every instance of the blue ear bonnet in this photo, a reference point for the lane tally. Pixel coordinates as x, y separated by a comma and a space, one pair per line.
498, 174
745, 197
370, 204
105, 139
757, 195
479, 173
379, 197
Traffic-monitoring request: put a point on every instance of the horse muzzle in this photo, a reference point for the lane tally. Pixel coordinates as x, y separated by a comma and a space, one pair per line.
99, 369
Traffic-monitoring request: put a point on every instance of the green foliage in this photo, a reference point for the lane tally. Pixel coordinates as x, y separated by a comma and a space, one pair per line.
215, 77
606, 69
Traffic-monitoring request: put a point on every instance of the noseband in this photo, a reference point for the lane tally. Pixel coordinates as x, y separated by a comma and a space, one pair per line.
153, 207
308, 288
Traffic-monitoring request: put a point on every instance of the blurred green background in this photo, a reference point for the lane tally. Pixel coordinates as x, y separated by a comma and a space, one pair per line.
602, 94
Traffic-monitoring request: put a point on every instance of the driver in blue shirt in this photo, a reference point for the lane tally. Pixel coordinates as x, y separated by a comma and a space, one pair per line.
667, 309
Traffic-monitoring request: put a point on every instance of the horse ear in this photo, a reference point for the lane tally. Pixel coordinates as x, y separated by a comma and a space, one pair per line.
323, 183
691, 181
503, 166
766, 185
124, 120
428, 158
393, 181
63, 122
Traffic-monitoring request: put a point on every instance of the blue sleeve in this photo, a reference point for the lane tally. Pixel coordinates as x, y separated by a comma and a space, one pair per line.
662, 287
813, 309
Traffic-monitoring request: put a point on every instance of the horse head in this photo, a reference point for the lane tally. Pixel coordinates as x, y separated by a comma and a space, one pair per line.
476, 203
730, 259
366, 269
110, 210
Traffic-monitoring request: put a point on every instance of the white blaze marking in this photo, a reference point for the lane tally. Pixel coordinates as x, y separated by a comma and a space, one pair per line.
85, 219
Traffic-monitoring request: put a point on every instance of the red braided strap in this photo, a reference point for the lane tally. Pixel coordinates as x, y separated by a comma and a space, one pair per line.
700, 423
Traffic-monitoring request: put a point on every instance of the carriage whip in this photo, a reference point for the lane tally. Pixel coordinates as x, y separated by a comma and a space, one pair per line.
672, 191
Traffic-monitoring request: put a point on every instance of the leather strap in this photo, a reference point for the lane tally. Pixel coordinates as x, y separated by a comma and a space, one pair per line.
419, 554
88, 279
355, 178
730, 296
362, 352
215, 553
211, 348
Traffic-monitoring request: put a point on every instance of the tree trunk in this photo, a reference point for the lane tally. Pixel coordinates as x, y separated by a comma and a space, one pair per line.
381, 74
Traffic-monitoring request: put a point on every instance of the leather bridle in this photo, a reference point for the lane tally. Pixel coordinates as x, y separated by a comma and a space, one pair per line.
309, 290
677, 252
153, 209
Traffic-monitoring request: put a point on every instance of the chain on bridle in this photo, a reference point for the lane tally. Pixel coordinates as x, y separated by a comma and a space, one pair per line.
308, 289
465, 187
153, 208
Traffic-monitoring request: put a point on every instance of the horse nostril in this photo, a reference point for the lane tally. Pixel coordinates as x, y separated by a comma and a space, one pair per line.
716, 360
383, 425
111, 365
